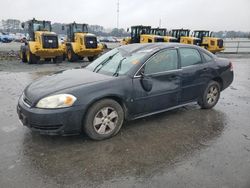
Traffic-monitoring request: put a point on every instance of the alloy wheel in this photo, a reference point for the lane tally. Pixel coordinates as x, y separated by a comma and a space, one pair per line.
105, 120
212, 95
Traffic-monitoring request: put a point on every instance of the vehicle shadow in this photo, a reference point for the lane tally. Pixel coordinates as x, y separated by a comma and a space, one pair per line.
143, 148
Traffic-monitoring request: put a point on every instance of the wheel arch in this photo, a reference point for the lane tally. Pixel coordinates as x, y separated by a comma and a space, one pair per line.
32, 47
71, 45
116, 98
220, 81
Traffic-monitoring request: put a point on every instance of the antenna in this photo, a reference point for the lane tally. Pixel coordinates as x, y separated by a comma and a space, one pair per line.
118, 11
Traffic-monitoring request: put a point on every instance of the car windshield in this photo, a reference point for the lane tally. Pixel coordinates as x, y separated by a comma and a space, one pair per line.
116, 62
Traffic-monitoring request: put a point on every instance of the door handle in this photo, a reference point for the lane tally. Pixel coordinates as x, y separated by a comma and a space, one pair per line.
204, 69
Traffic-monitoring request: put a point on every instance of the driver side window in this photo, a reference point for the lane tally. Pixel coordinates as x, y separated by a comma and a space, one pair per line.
163, 61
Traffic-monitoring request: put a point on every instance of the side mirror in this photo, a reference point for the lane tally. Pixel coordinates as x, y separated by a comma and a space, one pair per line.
23, 25
127, 29
146, 82
63, 27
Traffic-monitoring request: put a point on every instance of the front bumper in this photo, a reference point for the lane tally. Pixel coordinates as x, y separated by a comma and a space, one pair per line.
89, 52
65, 121
49, 53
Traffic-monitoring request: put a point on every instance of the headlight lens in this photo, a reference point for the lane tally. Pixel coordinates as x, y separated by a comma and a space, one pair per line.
57, 101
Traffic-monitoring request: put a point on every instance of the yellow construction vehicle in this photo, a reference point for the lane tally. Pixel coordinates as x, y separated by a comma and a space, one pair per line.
183, 36
209, 42
80, 43
142, 34
42, 43
163, 32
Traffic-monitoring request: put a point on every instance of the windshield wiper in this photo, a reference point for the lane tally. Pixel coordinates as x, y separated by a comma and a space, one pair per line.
116, 73
103, 63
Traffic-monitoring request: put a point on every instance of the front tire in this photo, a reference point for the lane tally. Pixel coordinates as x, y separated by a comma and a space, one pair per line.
71, 55
210, 96
104, 119
31, 58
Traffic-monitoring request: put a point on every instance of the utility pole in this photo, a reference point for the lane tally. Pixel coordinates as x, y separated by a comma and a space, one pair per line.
160, 23
118, 11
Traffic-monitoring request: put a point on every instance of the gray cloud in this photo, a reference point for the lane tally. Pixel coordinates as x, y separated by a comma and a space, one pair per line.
193, 14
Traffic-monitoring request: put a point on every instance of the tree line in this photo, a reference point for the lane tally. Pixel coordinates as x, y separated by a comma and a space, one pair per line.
14, 26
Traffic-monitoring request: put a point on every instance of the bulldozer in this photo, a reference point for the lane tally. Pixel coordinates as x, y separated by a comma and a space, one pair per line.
80, 43
183, 36
42, 43
142, 34
163, 32
209, 42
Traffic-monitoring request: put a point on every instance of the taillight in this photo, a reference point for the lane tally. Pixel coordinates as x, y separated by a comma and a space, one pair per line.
231, 66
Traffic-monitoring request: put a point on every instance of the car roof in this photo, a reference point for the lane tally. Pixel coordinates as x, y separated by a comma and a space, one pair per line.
151, 47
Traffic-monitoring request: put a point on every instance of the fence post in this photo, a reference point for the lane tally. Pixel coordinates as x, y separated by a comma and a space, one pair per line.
237, 51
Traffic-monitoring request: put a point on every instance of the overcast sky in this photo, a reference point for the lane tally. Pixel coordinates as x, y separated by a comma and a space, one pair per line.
193, 14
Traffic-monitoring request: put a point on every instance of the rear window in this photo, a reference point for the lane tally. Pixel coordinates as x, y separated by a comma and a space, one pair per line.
189, 56
207, 57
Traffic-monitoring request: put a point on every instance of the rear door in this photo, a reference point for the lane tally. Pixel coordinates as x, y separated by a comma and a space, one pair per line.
162, 70
195, 74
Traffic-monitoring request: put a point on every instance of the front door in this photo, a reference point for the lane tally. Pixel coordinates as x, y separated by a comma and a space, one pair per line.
161, 71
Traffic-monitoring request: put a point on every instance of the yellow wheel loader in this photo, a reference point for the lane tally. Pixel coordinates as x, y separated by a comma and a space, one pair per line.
42, 43
183, 36
142, 34
80, 43
209, 42
163, 32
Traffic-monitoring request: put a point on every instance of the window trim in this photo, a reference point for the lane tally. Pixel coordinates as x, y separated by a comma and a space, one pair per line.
178, 63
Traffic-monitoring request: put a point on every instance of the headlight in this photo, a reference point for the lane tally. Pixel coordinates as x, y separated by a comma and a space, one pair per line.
57, 101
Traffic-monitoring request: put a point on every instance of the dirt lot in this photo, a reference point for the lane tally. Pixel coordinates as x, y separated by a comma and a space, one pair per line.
187, 147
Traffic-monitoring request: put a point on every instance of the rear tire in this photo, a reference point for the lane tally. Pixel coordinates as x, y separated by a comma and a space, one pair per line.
23, 57
92, 58
23, 54
47, 59
58, 59
210, 96
80, 58
104, 119
64, 56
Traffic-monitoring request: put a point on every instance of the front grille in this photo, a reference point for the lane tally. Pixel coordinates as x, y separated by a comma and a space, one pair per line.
90, 42
50, 41
197, 42
220, 43
26, 101
45, 127
159, 39
173, 40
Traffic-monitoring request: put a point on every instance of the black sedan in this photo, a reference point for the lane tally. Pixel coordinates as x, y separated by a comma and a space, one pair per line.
128, 82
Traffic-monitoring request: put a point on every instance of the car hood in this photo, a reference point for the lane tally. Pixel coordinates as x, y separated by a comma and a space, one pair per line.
60, 81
